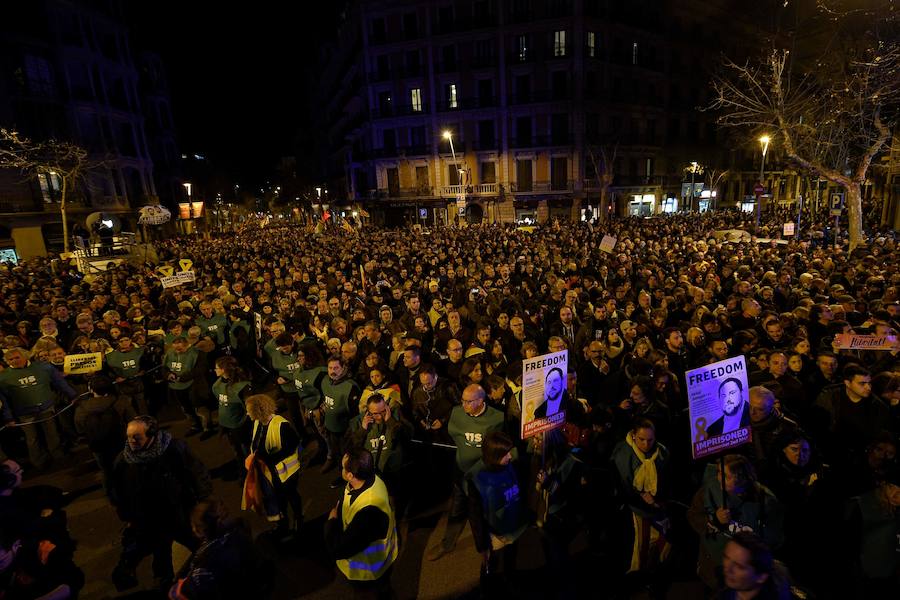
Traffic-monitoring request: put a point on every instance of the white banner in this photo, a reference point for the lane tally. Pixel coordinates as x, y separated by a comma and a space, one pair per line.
608, 243
177, 279
543, 389
719, 406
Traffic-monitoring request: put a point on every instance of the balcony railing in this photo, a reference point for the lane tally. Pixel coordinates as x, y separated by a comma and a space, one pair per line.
536, 141
453, 190
532, 97
416, 192
485, 189
400, 110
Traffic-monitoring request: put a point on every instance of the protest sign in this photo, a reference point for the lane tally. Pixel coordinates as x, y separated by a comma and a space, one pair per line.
185, 264
788, 229
719, 407
78, 364
166, 270
851, 341
608, 243
543, 389
177, 279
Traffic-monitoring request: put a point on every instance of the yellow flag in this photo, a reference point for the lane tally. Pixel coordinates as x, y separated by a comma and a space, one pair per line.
346, 225
186, 264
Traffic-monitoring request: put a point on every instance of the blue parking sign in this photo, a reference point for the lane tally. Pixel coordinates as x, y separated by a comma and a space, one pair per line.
836, 203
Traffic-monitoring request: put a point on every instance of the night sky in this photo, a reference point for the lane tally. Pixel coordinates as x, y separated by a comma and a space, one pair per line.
237, 76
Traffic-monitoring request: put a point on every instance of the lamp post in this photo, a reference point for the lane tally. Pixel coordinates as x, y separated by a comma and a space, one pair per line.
188, 186
764, 143
693, 174
461, 197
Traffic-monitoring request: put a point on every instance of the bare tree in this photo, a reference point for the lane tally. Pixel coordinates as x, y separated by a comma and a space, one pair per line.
714, 177
832, 109
603, 160
65, 160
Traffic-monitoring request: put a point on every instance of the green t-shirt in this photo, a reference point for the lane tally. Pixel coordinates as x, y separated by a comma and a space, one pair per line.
181, 364
305, 386
468, 433
232, 412
215, 327
27, 388
125, 364
336, 399
285, 365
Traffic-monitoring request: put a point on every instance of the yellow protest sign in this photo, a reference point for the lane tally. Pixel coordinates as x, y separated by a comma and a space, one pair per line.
166, 270
78, 364
186, 264
851, 341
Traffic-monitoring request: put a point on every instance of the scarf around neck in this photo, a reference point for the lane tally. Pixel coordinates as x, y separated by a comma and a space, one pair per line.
151, 452
645, 476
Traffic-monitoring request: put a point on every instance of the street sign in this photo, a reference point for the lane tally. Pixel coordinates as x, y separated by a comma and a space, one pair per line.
836, 204
423, 213
758, 189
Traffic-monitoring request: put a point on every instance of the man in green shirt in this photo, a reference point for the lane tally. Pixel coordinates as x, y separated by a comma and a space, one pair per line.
181, 365
340, 403
27, 397
212, 325
468, 427
125, 366
284, 361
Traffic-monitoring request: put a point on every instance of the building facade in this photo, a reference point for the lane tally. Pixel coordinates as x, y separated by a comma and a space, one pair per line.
553, 107
68, 73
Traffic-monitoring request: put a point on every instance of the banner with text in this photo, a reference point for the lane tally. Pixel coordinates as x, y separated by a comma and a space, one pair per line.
78, 364
543, 389
608, 243
851, 341
177, 279
719, 407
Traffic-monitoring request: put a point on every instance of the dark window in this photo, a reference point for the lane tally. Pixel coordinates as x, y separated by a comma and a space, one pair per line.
489, 172
453, 174
592, 126
523, 88
383, 65
523, 175
413, 63
390, 139
560, 85
385, 103
484, 52
417, 136
486, 92
448, 57
674, 130
379, 33
410, 25
523, 130
481, 10
559, 128
559, 173
486, 136
126, 140
393, 180
422, 178
445, 18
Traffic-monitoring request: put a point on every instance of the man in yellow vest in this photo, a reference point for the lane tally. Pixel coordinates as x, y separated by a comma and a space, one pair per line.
360, 532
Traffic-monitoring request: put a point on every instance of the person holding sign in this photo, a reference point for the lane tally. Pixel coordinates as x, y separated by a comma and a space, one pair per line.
735, 409
27, 396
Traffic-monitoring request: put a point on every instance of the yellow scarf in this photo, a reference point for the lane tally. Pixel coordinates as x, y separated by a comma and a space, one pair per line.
645, 476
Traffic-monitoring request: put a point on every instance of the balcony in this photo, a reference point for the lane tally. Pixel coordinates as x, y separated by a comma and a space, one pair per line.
486, 189
533, 97
467, 104
537, 141
416, 192
453, 190
486, 145
402, 110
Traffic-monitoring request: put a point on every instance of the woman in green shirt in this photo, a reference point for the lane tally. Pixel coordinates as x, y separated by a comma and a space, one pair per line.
230, 390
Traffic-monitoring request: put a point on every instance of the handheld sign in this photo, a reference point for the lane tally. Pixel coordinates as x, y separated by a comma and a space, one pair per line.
78, 364
719, 407
608, 243
851, 341
186, 264
543, 389
166, 270
788, 229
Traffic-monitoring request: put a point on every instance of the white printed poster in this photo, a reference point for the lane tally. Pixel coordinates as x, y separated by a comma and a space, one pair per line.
543, 389
719, 406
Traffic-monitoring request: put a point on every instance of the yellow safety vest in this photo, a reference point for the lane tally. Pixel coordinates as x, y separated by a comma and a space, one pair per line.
371, 563
289, 465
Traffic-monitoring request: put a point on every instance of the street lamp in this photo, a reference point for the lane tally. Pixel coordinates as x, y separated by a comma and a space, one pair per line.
693, 174
188, 186
461, 198
764, 143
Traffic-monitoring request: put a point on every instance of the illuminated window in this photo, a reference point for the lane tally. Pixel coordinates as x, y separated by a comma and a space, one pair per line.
415, 96
559, 43
591, 44
452, 101
634, 53
522, 48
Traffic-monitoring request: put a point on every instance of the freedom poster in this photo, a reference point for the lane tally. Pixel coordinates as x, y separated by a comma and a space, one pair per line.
719, 406
543, 390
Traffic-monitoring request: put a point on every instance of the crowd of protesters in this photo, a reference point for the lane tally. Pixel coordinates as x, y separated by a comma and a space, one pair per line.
395, 358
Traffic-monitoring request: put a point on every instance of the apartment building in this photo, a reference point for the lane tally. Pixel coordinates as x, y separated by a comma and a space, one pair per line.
67, 72
510, 110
